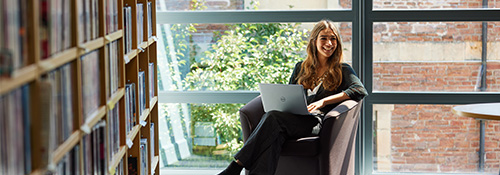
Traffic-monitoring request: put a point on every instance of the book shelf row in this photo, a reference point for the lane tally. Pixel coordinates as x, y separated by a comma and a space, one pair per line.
79, 100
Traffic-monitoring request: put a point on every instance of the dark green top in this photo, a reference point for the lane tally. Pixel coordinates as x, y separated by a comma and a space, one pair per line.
351, 85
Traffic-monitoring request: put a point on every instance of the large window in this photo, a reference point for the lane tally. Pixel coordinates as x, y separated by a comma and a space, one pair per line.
417, 59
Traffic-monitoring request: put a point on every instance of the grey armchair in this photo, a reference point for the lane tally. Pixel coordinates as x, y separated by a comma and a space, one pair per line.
330, 153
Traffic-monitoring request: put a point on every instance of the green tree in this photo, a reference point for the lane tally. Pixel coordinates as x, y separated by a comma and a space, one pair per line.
249, 54
242, 57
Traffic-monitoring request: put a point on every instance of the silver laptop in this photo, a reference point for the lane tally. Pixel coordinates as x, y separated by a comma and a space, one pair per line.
284, 97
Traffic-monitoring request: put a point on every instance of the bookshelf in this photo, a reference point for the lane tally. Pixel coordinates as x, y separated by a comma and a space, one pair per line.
78, 85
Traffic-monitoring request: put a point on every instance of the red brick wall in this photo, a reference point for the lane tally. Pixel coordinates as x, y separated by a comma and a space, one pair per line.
433, 31
433, 76
430, 138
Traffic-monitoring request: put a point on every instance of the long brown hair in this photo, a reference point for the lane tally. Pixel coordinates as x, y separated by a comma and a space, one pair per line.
307, 75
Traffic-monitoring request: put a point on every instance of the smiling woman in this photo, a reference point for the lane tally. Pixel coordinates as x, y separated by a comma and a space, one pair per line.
261, 152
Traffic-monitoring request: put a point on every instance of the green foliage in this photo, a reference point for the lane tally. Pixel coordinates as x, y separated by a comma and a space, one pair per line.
249, 54
226, 121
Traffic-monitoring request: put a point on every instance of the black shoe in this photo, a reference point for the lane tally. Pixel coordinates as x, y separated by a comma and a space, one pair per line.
232, 169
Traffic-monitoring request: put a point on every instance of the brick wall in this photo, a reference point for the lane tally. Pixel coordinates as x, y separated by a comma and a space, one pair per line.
433, 31
433, 76
430, 138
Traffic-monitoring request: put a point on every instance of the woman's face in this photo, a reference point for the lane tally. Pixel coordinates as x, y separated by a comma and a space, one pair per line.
326, 43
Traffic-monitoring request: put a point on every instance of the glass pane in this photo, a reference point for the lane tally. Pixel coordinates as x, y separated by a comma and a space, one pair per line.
187, 5
435, 56
199, 135
435, 4
225, 57
431, 139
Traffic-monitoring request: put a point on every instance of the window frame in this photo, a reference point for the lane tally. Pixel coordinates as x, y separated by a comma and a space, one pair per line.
362, 17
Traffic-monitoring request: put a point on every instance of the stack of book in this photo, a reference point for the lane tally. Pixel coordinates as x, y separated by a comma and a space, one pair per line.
111, 16
88, 20
130, 108
70, 163
114, 74
152, 79
61, 114
140, 22
15, 150
94, 151
90, 83
114, 130
55, 27
152, 142
150, 20
127, 29
13, 37
144, 155
142, 95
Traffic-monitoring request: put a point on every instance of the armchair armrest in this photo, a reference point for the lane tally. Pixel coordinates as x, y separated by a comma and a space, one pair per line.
341, 109
250, 116
338, 138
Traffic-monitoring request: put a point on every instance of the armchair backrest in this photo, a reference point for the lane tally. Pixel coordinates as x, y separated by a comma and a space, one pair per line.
250, 116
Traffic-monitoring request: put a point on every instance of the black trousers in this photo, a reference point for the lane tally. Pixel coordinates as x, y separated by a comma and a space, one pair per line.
261, 151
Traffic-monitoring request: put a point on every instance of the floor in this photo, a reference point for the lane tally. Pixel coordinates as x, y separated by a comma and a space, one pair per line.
193, 171
196, 165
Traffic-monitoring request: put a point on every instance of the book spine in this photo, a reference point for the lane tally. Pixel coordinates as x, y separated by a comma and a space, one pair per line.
141, 84
151, 80
26, 125
139, 24
95, 24
132, 166
66, 7
44, 29
127, 109
88, 20
144, 155
81, 20
152, 143
150, 20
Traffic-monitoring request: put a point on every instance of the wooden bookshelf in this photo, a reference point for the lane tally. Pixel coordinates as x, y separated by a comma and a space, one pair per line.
67, 102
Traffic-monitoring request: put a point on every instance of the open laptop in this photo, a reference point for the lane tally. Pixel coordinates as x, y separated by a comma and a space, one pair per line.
284, 97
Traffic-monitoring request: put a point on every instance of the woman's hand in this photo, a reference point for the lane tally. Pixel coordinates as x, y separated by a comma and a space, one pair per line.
316, 105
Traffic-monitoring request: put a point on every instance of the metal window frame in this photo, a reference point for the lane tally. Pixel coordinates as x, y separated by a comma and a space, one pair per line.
368, 17
362, 17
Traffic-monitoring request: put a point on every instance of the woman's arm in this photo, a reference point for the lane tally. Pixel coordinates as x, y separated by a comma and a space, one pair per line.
350, 88
351, 85
332, 99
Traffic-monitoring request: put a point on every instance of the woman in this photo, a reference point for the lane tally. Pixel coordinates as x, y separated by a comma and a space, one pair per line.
327, 81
